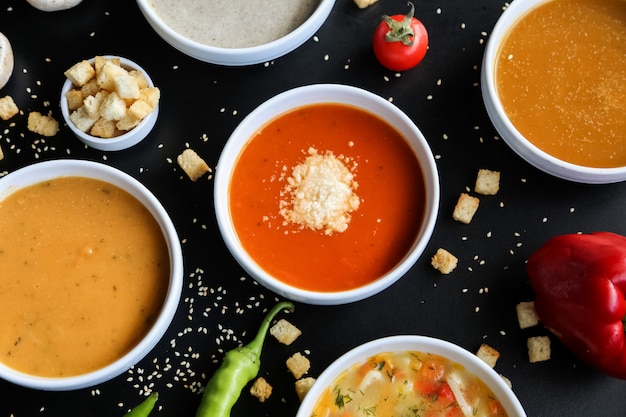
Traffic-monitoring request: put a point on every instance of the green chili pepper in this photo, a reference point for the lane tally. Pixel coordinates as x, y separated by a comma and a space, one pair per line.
145, 407
240, 366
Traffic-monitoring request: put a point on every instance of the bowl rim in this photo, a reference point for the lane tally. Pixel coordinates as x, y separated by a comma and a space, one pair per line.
118, 143
418, 343
509, 133
239, 56
45, 170
321, 93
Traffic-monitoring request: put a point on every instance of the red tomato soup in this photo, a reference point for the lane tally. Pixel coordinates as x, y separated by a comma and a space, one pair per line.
375, 172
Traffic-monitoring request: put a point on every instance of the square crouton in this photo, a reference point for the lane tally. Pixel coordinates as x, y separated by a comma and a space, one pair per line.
298, 365
526, 314
126, 86
90, 88
193, 165
444, 261
104, 128
364, 3
42, 124
8, 108
140, 109
108, 73
80, 73
303, 386
113, 107
74, 99
140, 79
488, 354
285, 332
465, 208
150, 95
538, 348
261, 389
82, 121
487, 182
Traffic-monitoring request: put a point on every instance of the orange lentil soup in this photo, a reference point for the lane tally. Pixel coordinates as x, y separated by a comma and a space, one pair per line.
408, 383
85, 270
377, 174
561, 76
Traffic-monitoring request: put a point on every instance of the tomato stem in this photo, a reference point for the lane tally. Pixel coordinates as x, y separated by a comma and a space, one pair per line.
401, 31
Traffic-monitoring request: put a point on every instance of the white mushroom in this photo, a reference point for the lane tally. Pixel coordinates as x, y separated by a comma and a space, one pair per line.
6, 60
53, 5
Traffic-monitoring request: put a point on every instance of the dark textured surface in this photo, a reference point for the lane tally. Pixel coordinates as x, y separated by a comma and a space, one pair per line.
201, 105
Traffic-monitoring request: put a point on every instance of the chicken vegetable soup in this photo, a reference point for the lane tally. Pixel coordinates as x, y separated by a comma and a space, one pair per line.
407, 383
85, 270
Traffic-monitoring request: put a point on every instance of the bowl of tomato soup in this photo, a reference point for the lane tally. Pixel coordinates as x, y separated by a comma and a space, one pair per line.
554, 86
326, 194
399, 373
91, 274
235, 32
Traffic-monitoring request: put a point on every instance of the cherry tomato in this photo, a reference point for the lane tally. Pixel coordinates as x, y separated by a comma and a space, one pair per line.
400, 41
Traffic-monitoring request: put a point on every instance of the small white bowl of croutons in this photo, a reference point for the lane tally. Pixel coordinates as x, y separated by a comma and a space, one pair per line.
110, 103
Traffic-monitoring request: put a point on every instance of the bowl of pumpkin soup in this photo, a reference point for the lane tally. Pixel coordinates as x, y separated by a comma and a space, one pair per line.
91, 274
404, 374
326, 194
235, 32
554, 86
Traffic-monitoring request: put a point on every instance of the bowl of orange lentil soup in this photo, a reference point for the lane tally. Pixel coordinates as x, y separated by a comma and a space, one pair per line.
326, 194
554, 86
410, 375
91, 277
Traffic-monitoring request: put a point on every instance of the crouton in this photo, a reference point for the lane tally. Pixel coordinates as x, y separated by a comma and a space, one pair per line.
465, 208
80, 73
285, 332
82, 121
107, 75
90, 88
487, 182
444, 261
93, 104
364, 3
42, 124
1, 154
140, 109
538, 348
113, 107
488, 354
261, 389
303, 386
104, 128
526, 314
298, 365
193, 165
150, 95
8, 108
74, 99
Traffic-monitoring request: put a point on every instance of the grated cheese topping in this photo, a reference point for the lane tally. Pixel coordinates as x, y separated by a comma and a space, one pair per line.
320, 194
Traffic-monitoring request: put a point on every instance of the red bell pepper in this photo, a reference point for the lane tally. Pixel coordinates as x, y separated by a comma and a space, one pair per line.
580, 283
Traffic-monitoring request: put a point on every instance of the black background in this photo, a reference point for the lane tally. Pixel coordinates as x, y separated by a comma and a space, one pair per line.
202, 103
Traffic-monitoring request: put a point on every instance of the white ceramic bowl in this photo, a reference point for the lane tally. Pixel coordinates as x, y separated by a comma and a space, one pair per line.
513, 138
238, 56
125, 141
325, 93
420, 344
42, 171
